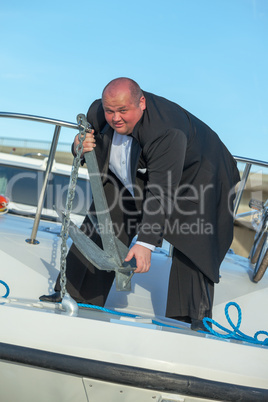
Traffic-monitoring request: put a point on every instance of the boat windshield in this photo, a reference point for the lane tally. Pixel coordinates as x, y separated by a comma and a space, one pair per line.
15, 179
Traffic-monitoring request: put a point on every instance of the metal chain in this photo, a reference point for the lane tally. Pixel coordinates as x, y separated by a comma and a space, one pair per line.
68, 207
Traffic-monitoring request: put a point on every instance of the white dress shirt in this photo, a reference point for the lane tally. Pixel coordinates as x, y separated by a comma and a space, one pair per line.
120, 165
120, 156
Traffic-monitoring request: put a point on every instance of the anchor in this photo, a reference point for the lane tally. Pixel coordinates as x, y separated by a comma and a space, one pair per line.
114, 252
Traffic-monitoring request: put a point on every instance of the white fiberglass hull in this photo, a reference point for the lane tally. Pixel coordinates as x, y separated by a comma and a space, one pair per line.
126, 352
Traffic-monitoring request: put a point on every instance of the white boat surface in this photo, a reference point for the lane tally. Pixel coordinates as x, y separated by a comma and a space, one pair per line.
127, 351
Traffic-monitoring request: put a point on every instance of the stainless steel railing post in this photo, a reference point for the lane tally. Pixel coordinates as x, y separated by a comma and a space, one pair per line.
40, 204
241, 187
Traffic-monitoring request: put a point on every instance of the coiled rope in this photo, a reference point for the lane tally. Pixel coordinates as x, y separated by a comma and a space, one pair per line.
235, 333
7, 288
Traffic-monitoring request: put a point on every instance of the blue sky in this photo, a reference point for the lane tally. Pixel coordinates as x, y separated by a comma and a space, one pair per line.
209, 56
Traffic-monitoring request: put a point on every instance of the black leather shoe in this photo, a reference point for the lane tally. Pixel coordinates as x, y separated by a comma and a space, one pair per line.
54, 298
197, 325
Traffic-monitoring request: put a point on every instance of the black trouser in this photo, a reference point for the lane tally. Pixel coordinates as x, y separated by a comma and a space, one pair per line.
190, 292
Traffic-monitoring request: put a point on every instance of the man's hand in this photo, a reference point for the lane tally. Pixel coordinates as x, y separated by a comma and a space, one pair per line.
88, 143
143, 258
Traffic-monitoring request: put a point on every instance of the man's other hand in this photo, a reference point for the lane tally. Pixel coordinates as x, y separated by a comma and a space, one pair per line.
143, 258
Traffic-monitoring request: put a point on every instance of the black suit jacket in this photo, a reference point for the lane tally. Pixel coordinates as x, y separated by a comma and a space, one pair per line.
189, 183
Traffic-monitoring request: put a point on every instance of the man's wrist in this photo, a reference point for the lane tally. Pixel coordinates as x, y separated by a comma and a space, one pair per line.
147, 245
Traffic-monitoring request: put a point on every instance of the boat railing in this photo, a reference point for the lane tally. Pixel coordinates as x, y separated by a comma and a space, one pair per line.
58, 124
248, 165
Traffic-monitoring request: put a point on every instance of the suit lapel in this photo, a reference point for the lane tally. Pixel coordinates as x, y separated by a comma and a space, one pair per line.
134, 158
103, 147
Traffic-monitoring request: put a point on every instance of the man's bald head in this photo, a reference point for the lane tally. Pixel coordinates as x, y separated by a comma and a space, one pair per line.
123, 84
123, 104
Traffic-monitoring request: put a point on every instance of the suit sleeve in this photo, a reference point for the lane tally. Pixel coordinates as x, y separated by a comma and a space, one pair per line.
165, 160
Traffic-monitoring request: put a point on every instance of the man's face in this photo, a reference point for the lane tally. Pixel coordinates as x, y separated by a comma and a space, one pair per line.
121, 113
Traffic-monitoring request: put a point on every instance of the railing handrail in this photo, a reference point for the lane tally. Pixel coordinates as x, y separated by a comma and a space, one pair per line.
63, 123
251, 161
39, 119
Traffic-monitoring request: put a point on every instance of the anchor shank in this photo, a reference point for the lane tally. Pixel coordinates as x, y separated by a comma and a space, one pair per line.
103, 215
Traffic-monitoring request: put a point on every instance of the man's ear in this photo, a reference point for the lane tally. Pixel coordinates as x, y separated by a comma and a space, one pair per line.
95, 115
143, 103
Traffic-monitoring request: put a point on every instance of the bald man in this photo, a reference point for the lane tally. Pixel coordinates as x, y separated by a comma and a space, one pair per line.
166, 175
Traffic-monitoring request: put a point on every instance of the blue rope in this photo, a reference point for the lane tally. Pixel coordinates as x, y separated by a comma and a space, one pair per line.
122, 314
7, 288
236, 333
106, 310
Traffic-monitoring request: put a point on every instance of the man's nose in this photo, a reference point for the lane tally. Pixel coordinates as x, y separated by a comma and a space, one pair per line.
116, 116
